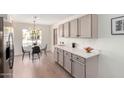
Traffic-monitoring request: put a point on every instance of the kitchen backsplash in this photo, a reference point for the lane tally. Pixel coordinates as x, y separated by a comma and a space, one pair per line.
80, 43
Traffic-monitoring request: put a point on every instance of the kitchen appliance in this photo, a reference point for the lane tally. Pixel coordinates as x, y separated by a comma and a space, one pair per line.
73, 45
78, 67
6, 48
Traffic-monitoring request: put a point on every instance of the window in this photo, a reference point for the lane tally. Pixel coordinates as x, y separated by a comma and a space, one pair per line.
30, 37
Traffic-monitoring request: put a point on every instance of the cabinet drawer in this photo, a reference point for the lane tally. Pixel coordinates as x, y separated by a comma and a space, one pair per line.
55, 48
60, 51
67, 54
78, 58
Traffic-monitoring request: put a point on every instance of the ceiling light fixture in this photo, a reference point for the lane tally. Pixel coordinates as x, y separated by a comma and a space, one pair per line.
35, 31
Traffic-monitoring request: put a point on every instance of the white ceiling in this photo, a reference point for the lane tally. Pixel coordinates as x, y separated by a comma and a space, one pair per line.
47, 19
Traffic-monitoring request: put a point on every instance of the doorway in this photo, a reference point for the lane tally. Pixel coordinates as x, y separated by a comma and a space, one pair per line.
55, 38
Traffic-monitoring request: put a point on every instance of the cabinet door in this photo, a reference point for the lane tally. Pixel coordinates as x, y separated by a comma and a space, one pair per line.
66, 30
67, 61
78, 69
55, 55
85, 26
1, 24
73, 28
60, 59
61, 31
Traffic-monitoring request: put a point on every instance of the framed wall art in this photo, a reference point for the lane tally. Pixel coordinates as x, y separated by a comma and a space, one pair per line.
117, 26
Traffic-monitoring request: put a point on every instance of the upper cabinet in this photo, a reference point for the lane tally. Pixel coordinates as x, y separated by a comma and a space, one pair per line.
61, 31
88, 26
74, 28
83, 27
66, 30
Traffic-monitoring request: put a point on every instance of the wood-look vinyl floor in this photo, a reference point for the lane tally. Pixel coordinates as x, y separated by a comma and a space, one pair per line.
43, 68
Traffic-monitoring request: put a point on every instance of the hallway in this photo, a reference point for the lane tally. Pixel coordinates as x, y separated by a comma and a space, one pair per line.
43, 68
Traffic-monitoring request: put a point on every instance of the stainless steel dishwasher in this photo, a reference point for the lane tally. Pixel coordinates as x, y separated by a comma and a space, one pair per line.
78, 67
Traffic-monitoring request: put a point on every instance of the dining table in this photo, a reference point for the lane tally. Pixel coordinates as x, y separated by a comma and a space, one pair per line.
29, 47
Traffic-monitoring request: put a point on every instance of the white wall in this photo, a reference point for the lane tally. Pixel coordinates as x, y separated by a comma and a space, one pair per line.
46, 35
111, 59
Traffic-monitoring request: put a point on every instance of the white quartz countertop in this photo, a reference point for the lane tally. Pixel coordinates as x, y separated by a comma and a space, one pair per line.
79, 52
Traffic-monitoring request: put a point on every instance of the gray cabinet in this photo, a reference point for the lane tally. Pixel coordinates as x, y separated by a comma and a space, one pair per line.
61, 31
66, 30
67, 61
78, 67
74, 28
55, 55
83, 27
60, 56
88, 26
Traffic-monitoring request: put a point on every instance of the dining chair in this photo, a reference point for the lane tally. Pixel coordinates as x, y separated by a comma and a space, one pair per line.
25, 52
44, 50
35, 50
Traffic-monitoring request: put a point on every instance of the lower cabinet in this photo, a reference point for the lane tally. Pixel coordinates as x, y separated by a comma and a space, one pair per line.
67, 61
78, 67
55, 55
60, 57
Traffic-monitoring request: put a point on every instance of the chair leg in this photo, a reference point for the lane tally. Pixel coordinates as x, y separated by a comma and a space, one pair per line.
38, 55
29, 55
32, 56
45, 52
23, 56
41, 53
